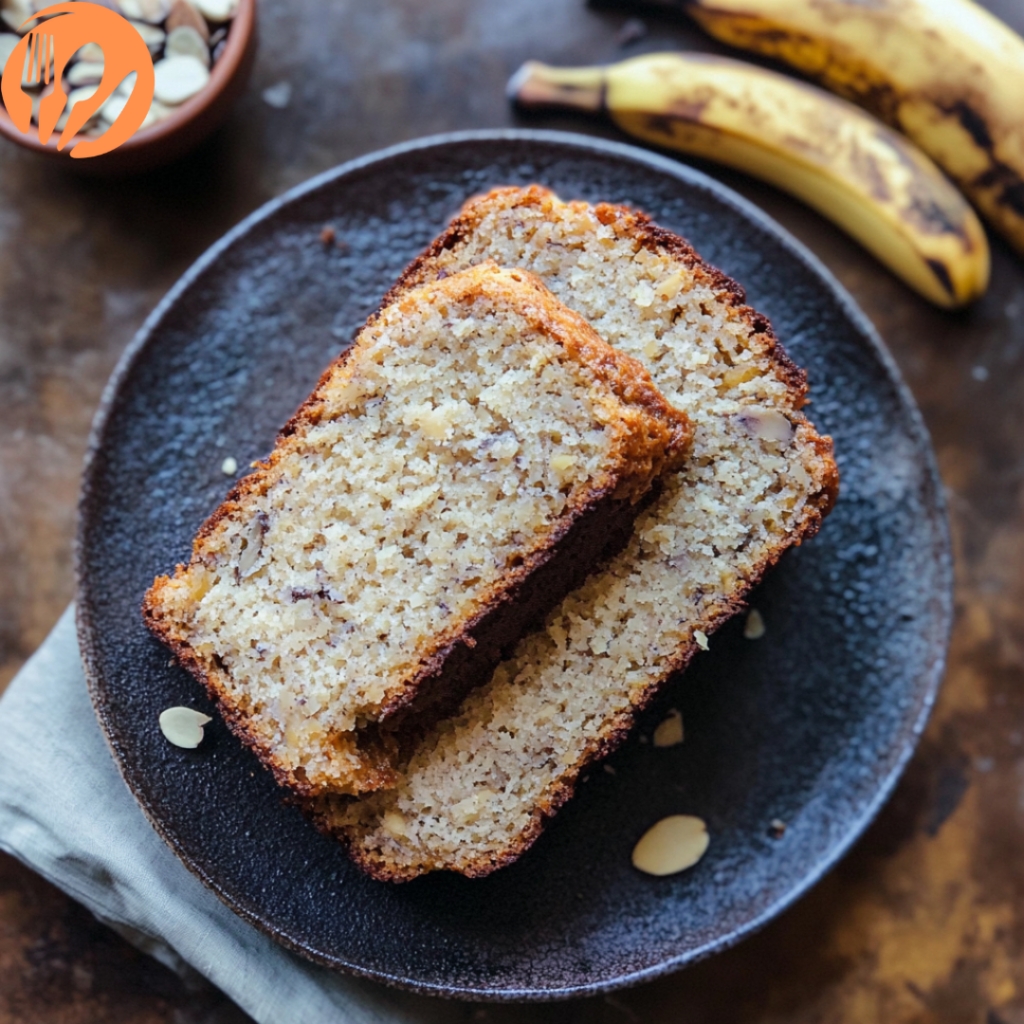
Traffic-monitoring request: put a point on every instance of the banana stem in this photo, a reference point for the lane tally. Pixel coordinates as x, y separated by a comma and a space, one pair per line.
537, 85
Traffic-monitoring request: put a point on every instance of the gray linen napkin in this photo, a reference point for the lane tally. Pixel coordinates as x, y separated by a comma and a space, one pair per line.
67, 814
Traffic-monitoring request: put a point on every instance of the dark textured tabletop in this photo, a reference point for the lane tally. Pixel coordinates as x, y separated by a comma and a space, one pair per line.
924, 921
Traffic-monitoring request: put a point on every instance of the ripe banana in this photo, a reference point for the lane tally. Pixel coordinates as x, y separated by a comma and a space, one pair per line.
863, 176
945, 72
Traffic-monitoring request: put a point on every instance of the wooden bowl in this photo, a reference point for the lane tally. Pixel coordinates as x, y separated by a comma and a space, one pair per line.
185, 128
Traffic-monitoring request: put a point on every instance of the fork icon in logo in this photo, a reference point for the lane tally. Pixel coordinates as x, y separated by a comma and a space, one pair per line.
68, 28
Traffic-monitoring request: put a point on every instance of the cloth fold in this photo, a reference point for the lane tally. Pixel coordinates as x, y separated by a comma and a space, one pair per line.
67, 814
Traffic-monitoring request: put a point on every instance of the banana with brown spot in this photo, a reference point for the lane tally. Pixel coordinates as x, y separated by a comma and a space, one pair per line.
868, 179
945, 72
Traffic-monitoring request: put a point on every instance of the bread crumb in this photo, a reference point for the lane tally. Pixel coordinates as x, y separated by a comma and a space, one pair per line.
701, 637
229, 467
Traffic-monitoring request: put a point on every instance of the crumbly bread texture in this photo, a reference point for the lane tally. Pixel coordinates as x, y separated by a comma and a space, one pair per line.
461, 443
480, 785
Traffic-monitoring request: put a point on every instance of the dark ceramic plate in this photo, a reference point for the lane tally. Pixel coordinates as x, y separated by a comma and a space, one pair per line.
810, 725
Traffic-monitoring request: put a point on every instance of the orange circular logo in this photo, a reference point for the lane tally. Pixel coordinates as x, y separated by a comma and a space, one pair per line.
42, 56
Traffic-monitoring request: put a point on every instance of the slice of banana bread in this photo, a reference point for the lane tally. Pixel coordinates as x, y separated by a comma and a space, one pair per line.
478, 787
453, 475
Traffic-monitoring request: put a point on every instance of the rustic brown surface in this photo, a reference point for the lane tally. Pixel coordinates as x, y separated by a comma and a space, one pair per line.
924, 922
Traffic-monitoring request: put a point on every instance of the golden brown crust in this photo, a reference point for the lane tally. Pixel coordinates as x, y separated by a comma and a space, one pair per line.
649, 437
818, 505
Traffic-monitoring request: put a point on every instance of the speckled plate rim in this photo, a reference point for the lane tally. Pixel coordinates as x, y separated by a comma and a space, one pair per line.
927, 688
